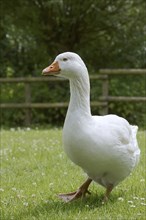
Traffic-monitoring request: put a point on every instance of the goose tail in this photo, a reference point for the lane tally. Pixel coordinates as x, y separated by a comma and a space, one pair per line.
134, 130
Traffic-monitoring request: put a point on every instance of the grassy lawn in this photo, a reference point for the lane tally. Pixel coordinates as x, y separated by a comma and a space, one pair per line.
34, 169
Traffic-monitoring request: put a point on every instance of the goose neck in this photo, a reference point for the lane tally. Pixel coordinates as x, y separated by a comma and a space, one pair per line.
80, 95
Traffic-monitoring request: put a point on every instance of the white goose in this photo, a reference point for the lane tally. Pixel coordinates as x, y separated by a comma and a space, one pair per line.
105, 147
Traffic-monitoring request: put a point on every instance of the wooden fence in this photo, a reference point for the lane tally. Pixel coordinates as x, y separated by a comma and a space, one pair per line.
102, 101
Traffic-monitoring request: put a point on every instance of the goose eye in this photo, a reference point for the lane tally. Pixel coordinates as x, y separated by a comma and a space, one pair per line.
64, 59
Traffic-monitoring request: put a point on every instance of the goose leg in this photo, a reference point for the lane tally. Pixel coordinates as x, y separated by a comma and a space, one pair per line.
81, 192
108, 191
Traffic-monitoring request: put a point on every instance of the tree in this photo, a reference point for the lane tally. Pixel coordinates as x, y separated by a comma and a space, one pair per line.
105, 33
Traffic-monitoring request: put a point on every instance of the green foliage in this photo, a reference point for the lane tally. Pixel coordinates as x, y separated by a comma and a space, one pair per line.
107, 34
129, 86
34, 169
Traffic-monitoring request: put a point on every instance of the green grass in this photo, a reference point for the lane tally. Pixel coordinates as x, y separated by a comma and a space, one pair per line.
34, 169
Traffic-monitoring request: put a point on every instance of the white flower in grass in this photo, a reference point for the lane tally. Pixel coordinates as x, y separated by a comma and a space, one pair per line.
142, 180
51, 184
135, 197
143, 203
19, 196
28, 129
25, 204
34, 184
33, 195
120, 199
131, 202
46, 201
14, 189
132, 206
1, 190
142, 199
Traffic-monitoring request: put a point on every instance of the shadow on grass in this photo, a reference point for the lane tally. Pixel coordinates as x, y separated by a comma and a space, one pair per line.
58, 206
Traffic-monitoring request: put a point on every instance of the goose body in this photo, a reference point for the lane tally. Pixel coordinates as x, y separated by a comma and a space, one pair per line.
105, 147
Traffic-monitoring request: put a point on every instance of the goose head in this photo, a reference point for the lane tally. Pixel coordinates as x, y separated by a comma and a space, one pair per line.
68, 65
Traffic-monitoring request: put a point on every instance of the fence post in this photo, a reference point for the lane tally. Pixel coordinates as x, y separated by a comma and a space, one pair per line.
27, 101
105, 93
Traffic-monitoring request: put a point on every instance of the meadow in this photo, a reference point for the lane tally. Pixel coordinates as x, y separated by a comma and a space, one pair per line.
34, 169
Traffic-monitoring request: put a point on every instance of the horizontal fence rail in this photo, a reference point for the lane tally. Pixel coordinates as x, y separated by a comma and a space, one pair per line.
103, 100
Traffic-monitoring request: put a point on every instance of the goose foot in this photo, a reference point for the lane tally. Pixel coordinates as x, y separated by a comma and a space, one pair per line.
80, 193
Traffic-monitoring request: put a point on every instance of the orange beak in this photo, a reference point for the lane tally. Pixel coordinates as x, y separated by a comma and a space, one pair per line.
53, 69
